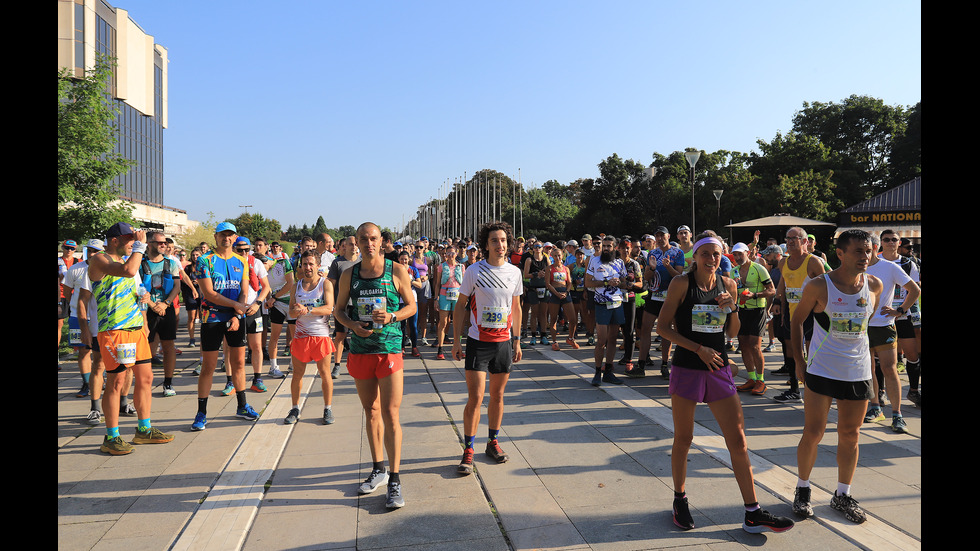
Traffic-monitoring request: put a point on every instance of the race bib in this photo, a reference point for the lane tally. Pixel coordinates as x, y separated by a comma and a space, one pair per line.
541, 291
707, 318
452, 293
848, 325
126, 353
794, 294
75, 336
367, 305
258, 324
494, 317
657, 295
616, 302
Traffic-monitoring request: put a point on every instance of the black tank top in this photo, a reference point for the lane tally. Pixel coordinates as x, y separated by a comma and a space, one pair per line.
700, 319
538, 266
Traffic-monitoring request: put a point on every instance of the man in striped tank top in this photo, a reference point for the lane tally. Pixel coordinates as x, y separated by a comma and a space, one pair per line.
122, 335
374, 287
838, 366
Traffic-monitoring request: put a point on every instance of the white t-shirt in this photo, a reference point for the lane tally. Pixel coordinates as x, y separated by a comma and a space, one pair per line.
491, 290
260, 272
600, 272
891, 276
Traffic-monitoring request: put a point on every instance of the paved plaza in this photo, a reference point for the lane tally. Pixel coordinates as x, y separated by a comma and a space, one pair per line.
589, 469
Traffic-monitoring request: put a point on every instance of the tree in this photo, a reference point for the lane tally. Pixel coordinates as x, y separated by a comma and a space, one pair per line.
906, 152
88, 200
545, 216
319, 227
254, 225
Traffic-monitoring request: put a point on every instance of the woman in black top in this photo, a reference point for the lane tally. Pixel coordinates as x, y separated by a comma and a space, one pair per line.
697, 314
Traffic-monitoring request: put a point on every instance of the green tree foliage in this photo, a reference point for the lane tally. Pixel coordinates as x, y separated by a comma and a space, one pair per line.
254, 225
546, 216
86, 164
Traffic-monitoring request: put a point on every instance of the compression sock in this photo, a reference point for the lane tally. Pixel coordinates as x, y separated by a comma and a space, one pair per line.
913, 370
492, 434
112, 432
240, 396
202, 405
144, 425
469, 440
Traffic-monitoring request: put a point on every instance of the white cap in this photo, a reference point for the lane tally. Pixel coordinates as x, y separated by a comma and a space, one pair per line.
740, 247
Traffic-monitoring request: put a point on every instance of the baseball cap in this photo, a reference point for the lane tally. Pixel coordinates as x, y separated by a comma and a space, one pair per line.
243, 241
94, 244
683, 228
225, 226
471, 248
740, 247
423, 238
571, 243
663, 229
117, 229
587, 236
772, 249
70, 243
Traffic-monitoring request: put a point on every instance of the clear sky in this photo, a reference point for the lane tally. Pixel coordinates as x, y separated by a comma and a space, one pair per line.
362, 111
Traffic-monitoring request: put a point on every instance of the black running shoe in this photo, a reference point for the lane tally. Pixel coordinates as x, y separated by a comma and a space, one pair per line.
849, 506
682, 514
801, 503
761, 520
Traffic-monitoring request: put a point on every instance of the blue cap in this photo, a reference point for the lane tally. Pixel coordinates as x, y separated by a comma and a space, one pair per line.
70, 243
242, 240
117, 229
225, 226
423, 238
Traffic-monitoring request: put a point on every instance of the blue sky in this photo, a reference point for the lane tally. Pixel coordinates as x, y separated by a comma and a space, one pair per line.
361, 111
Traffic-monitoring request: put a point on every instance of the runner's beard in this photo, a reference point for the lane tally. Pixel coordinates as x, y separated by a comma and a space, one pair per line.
606, 257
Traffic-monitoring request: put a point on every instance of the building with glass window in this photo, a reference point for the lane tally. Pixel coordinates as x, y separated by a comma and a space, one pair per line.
138, 90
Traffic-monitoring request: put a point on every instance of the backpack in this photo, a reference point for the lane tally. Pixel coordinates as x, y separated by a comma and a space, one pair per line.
168, 277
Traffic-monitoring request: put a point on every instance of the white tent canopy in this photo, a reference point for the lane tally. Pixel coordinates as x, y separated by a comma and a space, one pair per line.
779, 220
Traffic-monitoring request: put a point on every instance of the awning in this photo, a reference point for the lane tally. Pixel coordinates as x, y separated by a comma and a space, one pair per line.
779, 220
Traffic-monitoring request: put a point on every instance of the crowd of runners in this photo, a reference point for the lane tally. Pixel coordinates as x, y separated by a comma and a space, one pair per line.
845, 332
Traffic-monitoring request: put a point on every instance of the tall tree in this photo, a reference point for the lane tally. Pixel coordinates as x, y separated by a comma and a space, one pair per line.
86, 164
906, 153
253, 225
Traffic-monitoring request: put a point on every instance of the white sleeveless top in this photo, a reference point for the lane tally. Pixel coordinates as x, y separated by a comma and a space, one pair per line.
310, 325
840, 351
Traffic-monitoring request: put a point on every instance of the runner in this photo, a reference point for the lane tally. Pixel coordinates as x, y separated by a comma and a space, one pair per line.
122, 335
754, 287
161, 278
424, 293
375, 286
258, 290
696, 314
558, 281
900, 294
281, 281
449, 275
490, 296
795, 271
684, 243
664, 262
346, 250
838, 366
223, 277
606, 277
909, 326
535, 271
192, 295
81, 335
633, 283
311, 303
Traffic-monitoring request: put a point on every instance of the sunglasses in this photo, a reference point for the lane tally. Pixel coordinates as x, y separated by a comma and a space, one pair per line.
889, 239
243, 250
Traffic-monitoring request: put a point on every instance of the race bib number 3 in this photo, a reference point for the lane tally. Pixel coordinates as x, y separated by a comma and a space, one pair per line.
494, 317
707, 318
126, 353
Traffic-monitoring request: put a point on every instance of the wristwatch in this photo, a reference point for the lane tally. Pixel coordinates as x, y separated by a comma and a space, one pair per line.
393, 318
900, 310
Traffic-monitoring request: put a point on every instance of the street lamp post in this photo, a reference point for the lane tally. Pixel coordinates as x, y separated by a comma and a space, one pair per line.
717, 193
692, 159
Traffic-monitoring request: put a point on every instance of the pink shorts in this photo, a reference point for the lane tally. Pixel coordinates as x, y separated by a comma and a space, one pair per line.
700, 385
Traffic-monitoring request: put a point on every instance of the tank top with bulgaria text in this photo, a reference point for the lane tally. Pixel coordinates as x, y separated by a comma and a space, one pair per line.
366, 295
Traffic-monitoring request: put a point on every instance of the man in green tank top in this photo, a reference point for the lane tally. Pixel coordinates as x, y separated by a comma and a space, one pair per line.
374, 287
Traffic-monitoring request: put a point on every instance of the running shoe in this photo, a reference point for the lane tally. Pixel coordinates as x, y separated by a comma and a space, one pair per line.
571, 342
760, 520
591, 340
328, 416
229, 388
375, 479
258, 385
157, 361
335, 371
246, 412
898, 424
152, 436
197, 368
292, 417
275, 373
915, 397
424, 342
200, 421
597, 379
874, 415
395, 499
533, 341
801, 503
192, 343
664, 372
849, 506
682, 514
554, 346
610, 377
788, 397
494, 452
746, 386
466, 464
440, 355
768, 348
83, 392
115, 446
168, 390
545, 341
129, 410
760, 388
94, 417
638, 371
415, 352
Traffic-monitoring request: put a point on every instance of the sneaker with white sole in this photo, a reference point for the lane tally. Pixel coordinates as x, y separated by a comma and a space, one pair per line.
395, 499
375, 479
94, 417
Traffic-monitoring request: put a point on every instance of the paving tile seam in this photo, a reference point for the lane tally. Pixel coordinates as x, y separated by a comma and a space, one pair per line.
476, 470
774, 479
202, 525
